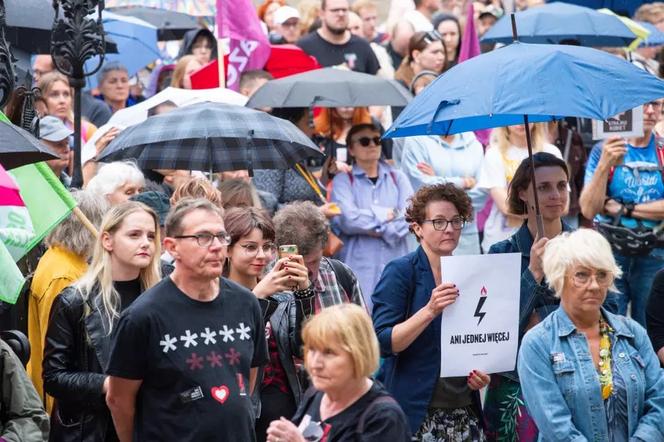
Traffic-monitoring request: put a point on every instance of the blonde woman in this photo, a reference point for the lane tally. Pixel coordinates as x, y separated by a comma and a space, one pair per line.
340, 354
124, 264
508, 148
186, 66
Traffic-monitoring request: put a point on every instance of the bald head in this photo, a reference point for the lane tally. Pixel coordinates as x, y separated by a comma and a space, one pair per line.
43, 64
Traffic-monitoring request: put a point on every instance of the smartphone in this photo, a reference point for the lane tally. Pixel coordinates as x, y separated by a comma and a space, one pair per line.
342, 154
288, 250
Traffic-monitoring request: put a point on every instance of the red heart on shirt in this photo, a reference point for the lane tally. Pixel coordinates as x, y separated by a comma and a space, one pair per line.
220, 394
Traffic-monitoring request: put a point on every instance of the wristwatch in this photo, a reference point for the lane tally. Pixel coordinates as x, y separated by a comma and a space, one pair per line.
628, 208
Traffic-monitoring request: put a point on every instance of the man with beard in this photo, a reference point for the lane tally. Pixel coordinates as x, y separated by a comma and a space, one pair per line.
333, 44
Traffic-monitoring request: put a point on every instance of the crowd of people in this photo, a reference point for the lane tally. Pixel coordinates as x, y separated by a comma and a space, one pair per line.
304, 304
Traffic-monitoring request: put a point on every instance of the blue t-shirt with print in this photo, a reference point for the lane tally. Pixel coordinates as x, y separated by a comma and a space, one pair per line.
637, 180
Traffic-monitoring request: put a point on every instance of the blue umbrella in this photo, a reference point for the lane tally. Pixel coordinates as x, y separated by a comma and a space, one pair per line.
136, 40
656, 37
543, 82
555, 22
524, 83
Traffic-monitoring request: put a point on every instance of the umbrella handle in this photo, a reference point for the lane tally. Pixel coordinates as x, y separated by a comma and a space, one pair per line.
538, 214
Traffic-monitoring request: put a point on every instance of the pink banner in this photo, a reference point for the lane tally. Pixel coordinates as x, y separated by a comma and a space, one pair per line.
249, 47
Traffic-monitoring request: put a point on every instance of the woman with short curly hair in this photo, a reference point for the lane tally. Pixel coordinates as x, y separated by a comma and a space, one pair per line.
408, 302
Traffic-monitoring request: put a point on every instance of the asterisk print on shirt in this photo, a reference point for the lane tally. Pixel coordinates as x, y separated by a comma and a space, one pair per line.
208, 336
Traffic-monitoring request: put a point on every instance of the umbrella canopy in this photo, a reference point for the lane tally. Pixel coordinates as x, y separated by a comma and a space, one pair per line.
29, 23
18, 147
197, 8
555, 22
330, 87
138, 113
655, 38
215, 137
171, 25
543, 82
136, 40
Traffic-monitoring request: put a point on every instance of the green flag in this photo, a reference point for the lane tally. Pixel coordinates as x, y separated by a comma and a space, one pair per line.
47, 200
11, 280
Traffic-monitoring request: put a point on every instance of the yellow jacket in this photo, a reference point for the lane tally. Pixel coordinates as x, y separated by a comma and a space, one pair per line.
57, 269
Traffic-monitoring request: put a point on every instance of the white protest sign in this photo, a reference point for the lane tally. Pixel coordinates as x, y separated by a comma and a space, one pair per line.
480, 330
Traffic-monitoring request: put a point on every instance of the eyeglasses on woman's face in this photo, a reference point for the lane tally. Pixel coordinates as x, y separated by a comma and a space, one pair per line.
583, 277
253, 249
366, 141
457, 223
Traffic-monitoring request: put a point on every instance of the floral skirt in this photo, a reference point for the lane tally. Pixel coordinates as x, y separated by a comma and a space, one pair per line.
450, 425
505, 416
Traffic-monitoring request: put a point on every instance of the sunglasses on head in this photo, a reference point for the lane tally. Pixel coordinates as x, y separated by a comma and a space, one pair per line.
431, 36
365, 141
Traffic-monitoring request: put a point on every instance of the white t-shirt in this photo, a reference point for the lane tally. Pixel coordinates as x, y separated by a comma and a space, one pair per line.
497, 171
419, 21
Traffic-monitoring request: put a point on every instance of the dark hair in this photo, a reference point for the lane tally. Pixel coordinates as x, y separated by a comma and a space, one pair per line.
359, 128
292, 114
441, 17
159, 109
417, 204
419, 42
521, 179
240, 221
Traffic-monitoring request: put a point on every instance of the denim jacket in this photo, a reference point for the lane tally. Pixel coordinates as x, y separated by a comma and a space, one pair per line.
561, 386
535, 297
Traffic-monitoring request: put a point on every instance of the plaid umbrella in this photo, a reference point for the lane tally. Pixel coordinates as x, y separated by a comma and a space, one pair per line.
212, 137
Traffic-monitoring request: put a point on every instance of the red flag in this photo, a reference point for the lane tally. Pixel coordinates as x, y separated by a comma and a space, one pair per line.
238, 22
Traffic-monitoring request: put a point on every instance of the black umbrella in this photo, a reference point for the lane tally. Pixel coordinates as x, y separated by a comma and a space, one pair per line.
19, 147
330, 87
172, 25
29, 23
212, 137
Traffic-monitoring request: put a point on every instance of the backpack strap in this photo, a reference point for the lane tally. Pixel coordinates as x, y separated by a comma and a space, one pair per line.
393, 174
346, 280
361, 423
659, 151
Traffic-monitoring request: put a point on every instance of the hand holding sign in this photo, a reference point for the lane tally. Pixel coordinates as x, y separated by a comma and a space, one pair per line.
613, 152
442, 296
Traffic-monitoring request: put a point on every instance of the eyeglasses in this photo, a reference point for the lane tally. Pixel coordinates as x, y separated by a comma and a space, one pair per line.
206, 239
252, 249
582, 278
442, 223
654, 104
365, 141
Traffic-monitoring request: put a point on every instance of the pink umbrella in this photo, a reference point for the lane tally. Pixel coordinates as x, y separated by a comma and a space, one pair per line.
9, 193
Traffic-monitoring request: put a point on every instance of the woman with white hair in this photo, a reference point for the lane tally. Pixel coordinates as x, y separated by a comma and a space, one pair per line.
125, 263
588, 374
117, 182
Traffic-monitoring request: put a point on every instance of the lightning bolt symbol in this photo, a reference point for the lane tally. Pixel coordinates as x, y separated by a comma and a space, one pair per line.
478, 313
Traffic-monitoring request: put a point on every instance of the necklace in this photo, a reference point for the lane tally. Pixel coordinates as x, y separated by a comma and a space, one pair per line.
605, 373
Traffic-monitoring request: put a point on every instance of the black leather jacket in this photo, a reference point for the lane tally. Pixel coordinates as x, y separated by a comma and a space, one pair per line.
286, 320
77, 347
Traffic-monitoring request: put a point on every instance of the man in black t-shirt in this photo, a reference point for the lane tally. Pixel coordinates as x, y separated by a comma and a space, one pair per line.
184, 355
333, 44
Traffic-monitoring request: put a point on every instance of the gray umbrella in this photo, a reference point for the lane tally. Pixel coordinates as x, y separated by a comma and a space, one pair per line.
171, 25
19, 147
212, 137
330, 87
29, 24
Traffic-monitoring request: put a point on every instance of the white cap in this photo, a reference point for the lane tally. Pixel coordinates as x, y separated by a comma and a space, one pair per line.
285, 13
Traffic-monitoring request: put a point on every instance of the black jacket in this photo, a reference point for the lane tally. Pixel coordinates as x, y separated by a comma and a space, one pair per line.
286, 313
77, 347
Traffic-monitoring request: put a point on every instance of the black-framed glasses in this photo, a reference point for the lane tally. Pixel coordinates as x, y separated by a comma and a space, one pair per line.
366, 141
441, 223
206, 239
